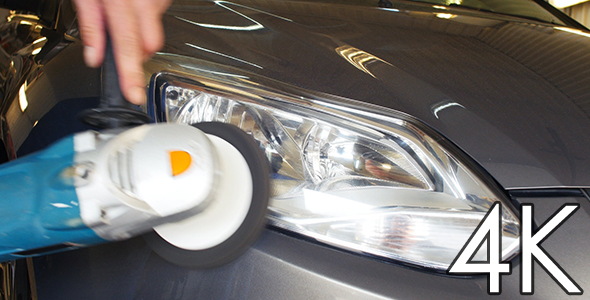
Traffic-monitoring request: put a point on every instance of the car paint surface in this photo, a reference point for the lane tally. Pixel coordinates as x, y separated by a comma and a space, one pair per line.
512, 93
283, 267
498, 87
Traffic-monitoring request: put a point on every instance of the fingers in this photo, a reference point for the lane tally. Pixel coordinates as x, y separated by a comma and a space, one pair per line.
136, 32
91, 25
122, 22
152, 32
150, 24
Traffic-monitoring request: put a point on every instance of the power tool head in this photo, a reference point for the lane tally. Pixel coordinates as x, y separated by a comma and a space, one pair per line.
235, 217
204, 189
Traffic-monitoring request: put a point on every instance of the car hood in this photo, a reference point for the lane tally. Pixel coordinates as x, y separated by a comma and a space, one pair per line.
514, 94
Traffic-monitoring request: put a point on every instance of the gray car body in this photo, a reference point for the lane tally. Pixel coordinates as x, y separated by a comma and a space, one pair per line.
512, 93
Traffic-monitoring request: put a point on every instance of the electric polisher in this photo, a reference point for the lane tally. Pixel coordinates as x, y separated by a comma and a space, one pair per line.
198, 194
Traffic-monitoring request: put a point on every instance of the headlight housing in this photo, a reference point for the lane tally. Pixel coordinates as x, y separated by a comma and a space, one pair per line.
355, 176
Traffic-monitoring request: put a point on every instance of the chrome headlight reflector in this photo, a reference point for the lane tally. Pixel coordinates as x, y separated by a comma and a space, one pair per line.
366, 179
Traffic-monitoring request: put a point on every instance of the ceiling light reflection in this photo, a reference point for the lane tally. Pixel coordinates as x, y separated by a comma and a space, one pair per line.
213, 72
575, 31
389, 9
220, 3
358, 58
39, 40
224, 55
445, 16
565, 3
22, 97
256, 26
440, 107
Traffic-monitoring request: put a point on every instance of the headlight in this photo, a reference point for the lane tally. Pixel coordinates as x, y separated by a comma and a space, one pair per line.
358, 177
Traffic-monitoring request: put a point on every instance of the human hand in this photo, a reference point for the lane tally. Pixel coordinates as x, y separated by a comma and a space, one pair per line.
136, 31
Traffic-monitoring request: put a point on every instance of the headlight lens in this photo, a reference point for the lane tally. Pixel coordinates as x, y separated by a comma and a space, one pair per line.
353, 176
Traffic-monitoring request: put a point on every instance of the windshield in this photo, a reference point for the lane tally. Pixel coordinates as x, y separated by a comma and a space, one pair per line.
522, 8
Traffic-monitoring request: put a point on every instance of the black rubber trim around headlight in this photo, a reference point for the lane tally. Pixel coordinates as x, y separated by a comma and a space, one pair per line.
547, 193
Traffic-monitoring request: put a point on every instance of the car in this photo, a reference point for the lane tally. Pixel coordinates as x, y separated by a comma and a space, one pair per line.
392, 127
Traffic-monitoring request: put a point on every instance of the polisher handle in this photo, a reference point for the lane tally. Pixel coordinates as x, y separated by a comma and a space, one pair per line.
114, 111
111, 90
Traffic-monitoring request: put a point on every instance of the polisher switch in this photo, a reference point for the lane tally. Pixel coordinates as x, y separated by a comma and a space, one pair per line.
180, 161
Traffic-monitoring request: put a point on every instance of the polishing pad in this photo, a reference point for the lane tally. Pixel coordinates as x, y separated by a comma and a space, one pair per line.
236, 215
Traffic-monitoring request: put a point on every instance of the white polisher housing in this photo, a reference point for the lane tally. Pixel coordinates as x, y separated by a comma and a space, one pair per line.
236, 216
143, 177
224, 215
204, 195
